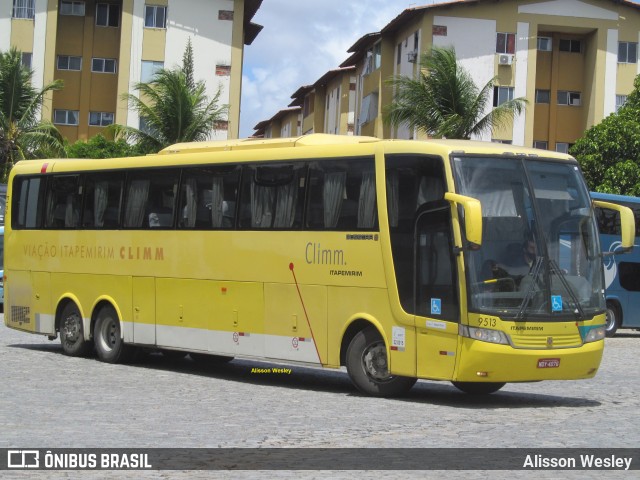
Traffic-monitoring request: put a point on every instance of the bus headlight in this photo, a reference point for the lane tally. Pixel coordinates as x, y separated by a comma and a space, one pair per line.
484, 335
594, 335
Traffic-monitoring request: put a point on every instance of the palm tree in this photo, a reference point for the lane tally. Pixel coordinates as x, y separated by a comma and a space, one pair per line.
173, 108
444, 101
22, 133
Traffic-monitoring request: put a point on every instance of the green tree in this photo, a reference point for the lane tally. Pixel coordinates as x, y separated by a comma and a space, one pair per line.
172, 110
609, 152
23, 134
444, 101
187, 65
100, 147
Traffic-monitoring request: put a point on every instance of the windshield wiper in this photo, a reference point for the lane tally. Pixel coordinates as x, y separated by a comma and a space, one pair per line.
561, 275
530, 289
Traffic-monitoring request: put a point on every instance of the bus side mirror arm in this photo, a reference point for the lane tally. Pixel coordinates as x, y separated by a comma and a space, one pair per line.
627, 223
472, 217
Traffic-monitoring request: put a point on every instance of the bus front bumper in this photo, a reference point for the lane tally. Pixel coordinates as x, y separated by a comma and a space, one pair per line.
490, 362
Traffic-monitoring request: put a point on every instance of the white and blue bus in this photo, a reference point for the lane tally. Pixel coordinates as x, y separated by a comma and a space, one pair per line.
621, 273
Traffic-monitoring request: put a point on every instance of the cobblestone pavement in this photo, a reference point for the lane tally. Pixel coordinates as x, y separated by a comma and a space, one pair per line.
49, 400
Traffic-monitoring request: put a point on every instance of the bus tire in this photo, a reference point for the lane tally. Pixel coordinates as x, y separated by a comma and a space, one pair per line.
367, 366
107, 335
478, 388
72, 332
614, 317
206, 359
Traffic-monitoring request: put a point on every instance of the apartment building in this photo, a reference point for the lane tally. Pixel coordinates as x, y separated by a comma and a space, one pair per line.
573, 60
101, 48
326, 106
286, 123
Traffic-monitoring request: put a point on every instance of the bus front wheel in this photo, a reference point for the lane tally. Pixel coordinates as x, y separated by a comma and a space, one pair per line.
108, 338
72, 332
478, 388
613, 319
367, 366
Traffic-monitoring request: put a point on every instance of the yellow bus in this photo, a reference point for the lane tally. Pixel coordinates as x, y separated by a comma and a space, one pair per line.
469, 262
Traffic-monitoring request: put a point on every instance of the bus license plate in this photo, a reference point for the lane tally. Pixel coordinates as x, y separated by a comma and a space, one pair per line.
549, 363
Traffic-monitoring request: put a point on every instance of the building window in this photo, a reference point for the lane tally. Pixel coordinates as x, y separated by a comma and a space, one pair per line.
149, 69
563, 147
24, 9
100, 119
72, 8
572, 46
541, 144
26, 60
502, 95
68, 62
627, 52
545, 44
144, 126
506, 43
620, 101
543, 96
103, 65
369, 108
377, 55
307, 108
65, 117
107, 15
569, 98
155, 16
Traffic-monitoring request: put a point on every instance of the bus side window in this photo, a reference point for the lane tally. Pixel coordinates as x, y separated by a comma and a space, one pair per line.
272, 196
208, 198
150, 201
102, 200
27, 194
342, 195
63, 202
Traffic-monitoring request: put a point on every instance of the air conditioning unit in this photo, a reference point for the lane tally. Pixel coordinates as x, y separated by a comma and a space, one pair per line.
505, 59
412, 56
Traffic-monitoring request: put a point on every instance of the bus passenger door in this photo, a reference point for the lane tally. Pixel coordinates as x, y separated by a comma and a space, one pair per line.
437, 305
144, 310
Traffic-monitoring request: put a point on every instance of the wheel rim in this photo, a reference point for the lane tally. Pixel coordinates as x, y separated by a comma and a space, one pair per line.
611, 319
109, 334
71, 330
374, 362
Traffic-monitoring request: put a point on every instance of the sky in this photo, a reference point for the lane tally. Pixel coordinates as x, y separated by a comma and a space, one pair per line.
301, 41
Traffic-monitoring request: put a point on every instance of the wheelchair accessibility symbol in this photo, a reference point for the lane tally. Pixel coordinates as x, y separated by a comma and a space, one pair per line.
556, 303
436, 306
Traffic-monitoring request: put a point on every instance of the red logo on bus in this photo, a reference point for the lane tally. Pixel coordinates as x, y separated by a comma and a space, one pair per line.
548, 363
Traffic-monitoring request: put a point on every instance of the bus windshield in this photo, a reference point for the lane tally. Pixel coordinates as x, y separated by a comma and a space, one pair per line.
539, 256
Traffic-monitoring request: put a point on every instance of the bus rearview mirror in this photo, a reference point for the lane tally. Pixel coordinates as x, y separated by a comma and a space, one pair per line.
627, 223
472, 216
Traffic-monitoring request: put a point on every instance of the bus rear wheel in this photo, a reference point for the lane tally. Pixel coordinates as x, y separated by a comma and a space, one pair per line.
613, 319
110, 346
478, 388
367, 365
72, 332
